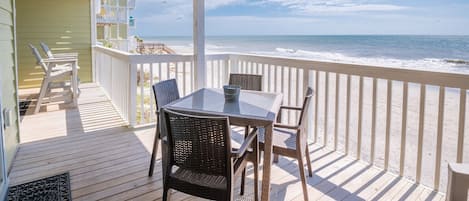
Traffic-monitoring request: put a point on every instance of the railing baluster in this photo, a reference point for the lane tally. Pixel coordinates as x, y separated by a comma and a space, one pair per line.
297, 84
176, 70
418, 173
316, 103
132, 99
261, 69
192, 77
219, 76
142, 95
184, 73
347, 116
439, 139
360, 114
168, 70
326, 104
212, 74
404, 127
160, 78
152, 117
245, 66
275, 78
269, 77
373, 121
462, 120
336, 110
387, 141
289, 80
226, 70
282, 81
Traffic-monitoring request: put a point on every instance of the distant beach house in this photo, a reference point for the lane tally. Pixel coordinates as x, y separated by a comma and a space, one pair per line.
114, 22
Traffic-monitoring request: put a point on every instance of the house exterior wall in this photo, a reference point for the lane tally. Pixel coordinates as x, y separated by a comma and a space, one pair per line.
8, 77
64, 25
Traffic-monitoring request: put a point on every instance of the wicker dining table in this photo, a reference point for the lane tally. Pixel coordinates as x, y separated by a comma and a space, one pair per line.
254, 108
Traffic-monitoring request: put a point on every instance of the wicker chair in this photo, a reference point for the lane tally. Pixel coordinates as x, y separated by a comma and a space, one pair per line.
246, 82
291, 140
165, 92
201, 161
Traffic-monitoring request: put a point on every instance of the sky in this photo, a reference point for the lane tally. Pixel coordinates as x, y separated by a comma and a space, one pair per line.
305, 17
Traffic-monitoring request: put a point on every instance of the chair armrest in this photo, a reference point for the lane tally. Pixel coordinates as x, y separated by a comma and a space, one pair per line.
60, 60
278, 125
290, 108
60, 55
460, 168
246, 144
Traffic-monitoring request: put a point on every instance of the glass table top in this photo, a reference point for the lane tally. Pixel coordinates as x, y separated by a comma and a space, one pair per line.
251, 104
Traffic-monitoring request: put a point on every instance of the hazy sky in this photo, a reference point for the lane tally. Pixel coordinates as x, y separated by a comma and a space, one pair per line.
305, 17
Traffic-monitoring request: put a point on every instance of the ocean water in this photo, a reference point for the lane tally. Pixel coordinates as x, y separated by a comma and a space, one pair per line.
437, 53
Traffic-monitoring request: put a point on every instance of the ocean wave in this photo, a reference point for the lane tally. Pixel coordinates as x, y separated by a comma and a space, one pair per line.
457, 61
436, 64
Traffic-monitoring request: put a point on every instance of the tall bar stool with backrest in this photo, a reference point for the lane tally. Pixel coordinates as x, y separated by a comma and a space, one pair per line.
246, 82
201, 161
51, 55
165, 92
54, 76
291, 140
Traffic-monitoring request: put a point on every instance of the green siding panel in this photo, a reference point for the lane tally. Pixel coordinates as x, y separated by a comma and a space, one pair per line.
63, 25
8, 77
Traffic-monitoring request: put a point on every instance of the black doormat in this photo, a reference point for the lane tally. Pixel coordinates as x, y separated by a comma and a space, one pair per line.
24, 105
51, 188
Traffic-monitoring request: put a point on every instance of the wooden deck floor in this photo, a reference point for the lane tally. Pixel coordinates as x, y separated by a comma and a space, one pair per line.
108, 161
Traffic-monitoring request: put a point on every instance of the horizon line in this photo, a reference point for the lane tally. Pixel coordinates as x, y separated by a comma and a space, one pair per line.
308, 35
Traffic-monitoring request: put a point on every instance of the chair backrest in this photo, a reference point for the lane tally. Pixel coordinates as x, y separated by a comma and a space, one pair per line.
305, 106
246, 81
197, 143
46, 50
165, 92
38, 57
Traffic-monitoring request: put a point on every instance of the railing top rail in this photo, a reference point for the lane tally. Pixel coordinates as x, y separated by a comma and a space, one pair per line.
123, 55
139, 59
446, 79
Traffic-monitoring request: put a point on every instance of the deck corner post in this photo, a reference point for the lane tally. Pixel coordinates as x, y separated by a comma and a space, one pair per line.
199, 44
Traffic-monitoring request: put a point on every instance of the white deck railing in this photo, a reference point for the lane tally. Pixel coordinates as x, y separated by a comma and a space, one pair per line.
411, 122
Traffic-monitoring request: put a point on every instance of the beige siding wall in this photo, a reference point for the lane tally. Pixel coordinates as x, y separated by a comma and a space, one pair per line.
64, 25
8, 76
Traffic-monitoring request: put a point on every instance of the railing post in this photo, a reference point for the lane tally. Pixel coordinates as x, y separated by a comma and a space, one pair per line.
199, 44
132, 115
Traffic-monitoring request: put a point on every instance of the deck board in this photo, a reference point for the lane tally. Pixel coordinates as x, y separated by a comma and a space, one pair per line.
108, 161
